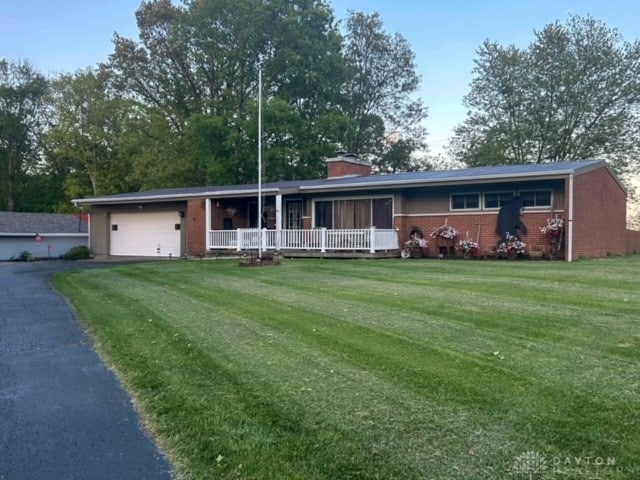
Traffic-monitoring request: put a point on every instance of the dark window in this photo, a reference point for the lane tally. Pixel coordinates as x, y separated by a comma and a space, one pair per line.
324, 214
465, 201
497, 199
253, 214
536, 198
382, 213
177, 226
114, 227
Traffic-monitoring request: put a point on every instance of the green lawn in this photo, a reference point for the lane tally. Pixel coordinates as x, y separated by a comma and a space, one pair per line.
384, 369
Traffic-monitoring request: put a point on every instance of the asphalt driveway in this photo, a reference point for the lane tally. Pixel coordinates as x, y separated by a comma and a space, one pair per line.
63, 415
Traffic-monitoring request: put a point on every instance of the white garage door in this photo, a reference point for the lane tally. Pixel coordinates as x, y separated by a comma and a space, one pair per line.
145, 234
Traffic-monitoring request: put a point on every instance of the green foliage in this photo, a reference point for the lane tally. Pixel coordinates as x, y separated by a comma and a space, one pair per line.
22, 90
352, 369
89, 126
26, 256
196, 66
382, 79
573, 93
79, 252
178, 106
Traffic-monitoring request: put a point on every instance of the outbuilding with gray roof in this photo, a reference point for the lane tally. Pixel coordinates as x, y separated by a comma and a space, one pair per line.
43, 235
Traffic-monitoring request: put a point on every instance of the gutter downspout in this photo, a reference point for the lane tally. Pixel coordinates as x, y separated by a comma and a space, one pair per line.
570, 222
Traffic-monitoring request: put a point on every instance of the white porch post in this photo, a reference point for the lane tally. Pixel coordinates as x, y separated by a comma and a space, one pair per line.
238, 240
279, 224
207, 212
323, 240
372, 239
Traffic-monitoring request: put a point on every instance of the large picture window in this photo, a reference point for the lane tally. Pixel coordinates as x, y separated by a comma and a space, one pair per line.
354, 213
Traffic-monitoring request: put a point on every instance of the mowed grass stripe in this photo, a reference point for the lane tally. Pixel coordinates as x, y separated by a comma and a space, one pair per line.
402, 359
242, 421
469, 384
416, 417
371, 354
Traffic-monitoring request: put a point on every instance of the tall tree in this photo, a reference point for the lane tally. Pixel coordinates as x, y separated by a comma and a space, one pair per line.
574, 93
382, 81
87, 133
22, 89
200, 59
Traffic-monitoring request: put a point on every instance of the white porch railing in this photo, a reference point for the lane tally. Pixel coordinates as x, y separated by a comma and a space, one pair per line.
319, 239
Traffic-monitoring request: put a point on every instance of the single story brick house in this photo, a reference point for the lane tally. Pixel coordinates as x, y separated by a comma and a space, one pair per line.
354, 211
44, 235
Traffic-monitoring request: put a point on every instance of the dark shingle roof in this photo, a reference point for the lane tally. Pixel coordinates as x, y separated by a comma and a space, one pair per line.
432, 177
468, 174
31, 223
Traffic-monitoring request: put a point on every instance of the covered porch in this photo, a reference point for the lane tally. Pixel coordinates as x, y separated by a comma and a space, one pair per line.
286, 229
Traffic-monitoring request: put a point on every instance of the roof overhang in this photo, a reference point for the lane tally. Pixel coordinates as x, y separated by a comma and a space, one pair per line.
169, 197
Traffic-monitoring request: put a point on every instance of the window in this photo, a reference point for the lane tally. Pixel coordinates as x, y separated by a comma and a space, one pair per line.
382, 213
536, 198
465, 201
114, 228
354, 213
497, 199
324, 214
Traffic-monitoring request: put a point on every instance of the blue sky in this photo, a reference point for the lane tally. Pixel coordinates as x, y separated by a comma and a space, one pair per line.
67, 35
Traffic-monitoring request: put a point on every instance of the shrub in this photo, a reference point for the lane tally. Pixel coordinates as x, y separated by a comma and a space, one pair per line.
79, 252
26, 256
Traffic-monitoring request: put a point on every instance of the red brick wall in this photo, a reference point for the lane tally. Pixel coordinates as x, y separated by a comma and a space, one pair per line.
481, 227
599, 215
341, 168
196, 227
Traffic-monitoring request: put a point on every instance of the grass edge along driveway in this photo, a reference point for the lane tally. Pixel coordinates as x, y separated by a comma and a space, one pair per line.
377, 369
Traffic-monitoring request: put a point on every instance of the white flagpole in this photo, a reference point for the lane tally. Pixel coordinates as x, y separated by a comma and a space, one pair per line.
260, 160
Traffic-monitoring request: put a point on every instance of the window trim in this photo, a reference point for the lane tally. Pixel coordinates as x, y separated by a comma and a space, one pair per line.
476, 209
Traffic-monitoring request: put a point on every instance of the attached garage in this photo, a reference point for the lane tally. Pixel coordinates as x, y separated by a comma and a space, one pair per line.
146, 234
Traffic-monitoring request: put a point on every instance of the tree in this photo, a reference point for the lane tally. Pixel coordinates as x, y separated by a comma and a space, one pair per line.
87, 134
382, 79
572, 94
22, 89
199, 61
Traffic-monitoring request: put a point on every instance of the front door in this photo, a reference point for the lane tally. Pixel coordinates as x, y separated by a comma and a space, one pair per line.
294, 215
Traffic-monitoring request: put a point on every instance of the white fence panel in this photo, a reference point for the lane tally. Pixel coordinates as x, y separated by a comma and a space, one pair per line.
301, 239
386, 240
321, 239
223, 238
354, 239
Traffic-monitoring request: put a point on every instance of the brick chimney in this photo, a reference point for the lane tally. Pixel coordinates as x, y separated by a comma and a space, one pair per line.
347, 165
